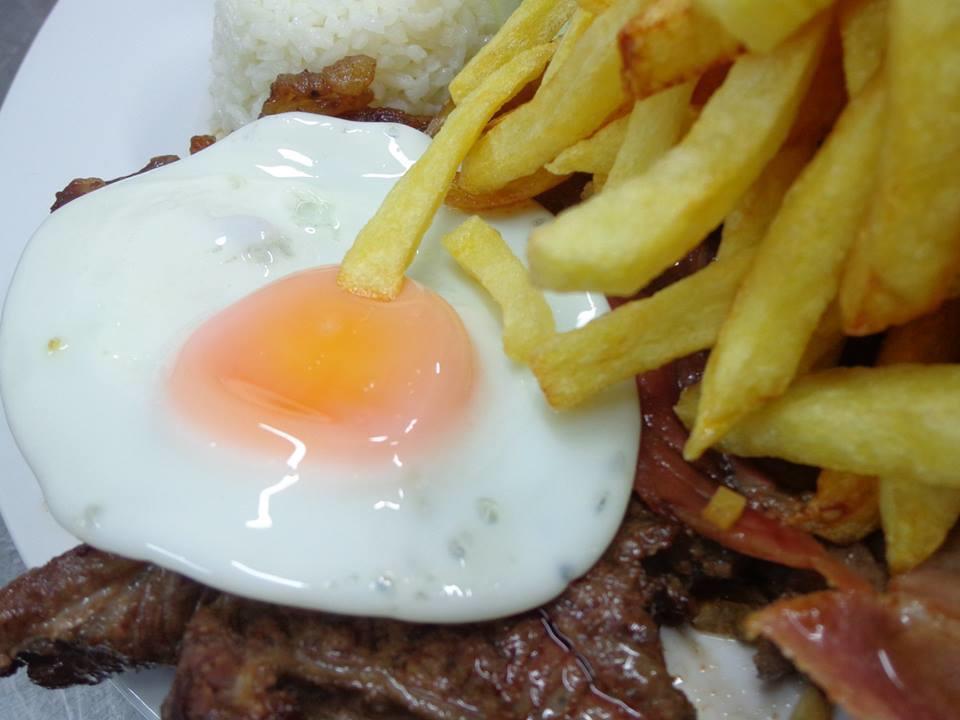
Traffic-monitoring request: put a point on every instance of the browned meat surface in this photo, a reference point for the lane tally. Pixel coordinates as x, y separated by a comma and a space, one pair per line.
82, 186
337, 89
88, 614
201, 142
389, 115
594, 652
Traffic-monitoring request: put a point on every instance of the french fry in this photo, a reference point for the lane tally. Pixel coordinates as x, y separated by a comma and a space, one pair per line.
847, 507
898, 421
916, 519
383, 249
909, 249
653, 127
596, 154
481, 252
775, 314
594, 6
863, 28
672, 42
579, 22
825, 345
844, 510
641, 227
724, 508
534, 23
641, 335
519, 191
762, 24
560, 114
747, 223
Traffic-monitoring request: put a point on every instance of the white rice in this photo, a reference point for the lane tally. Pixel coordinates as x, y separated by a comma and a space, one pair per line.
419, 45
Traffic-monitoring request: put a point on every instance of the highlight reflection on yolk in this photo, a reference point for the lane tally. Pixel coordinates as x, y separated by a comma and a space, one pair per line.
350, 378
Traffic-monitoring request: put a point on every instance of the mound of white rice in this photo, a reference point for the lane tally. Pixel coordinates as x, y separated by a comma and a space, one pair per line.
419, 45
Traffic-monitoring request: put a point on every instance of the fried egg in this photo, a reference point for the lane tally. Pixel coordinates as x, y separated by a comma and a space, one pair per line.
191, 388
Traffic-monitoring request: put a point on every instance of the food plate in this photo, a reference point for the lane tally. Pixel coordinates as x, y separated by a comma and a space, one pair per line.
107, 85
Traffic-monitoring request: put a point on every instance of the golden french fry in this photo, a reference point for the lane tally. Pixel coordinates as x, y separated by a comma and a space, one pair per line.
383, 249
724, 508
775, 313
641, 335
534, 23
916, 519
747, 223
847, 507
672, 42
518, 191
581, 20
594, 6
844, 510
654, 126
641, 227
762, 24
579, 98
863, 28
826, 343
596, 154
481, 252
898, 421
909, 249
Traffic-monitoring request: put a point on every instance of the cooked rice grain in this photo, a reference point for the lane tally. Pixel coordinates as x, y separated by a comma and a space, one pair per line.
419, 45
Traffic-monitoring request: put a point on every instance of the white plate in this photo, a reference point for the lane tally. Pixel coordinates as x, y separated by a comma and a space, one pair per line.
107, 85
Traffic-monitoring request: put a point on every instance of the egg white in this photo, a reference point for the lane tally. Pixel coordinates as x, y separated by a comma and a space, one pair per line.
498, 521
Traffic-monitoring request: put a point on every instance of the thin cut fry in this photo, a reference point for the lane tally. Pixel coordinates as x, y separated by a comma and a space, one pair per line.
641, 335
596, 154
519, 191
653, 127
762, 24
775, 314
863, 28
670, 43
534, 23
481, 252
847, 507
585, 91
747, 223
916, 519
724, 508
384, 248
641, 227
594, 6
581, 20
909, 248
844, 510
898, 421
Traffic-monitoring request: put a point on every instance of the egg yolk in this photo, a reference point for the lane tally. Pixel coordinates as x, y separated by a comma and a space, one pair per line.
302, 361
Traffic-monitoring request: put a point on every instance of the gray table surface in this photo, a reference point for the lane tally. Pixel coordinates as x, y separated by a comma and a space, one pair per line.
19, 700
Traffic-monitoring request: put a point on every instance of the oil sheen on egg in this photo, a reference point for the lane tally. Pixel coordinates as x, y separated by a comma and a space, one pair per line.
190, 388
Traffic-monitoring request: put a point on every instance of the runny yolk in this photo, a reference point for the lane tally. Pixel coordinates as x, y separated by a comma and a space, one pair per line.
340, 376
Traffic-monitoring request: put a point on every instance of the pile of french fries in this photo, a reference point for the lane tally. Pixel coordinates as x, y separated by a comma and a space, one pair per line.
821, 138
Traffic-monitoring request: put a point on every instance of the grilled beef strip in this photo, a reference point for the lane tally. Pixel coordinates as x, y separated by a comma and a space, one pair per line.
594, 652
88, 614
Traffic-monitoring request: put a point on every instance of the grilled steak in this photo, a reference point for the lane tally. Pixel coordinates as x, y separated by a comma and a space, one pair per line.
594, 651
88, 614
